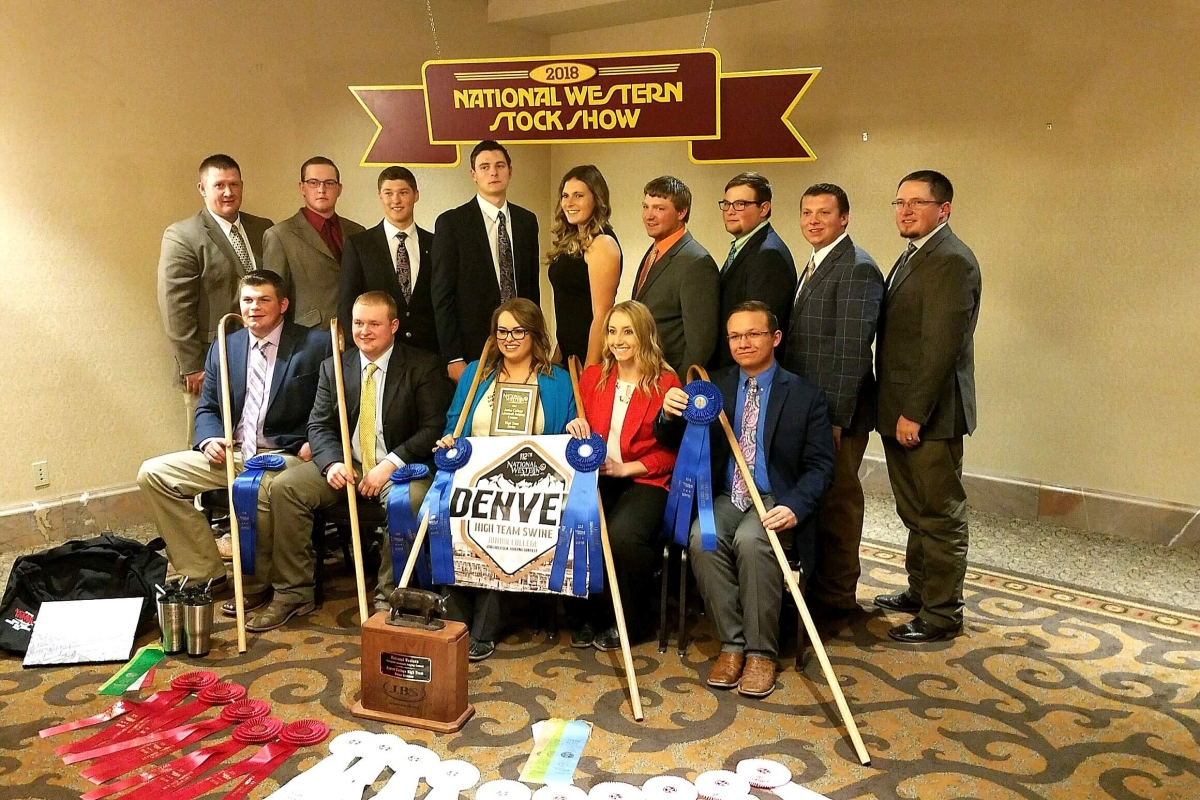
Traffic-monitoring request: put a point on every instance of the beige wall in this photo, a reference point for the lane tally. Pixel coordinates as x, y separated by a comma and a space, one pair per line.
105, 112
1088, 234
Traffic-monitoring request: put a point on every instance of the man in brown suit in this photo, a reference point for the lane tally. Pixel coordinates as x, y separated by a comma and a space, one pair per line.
925, 363
306, 248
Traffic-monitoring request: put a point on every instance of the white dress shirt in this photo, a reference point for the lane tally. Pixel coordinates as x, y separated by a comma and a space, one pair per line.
621, 400
381, 451
412, 244
272, 354
226, 226
491, 221
921, 242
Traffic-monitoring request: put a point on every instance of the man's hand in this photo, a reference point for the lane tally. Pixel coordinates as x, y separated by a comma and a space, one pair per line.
579, 428
338, 475
305, 453
374, 480
455, 370
214, 450
675, 401
194, 382
837, 438
779, 518
908, 433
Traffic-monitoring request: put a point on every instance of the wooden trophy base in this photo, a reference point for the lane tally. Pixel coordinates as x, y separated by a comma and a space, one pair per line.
413, 676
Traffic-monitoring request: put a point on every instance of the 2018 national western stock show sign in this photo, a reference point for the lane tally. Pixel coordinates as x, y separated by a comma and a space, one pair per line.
674, 95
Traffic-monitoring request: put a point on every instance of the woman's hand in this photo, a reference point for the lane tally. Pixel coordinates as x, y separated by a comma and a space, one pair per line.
579, 428
444, 443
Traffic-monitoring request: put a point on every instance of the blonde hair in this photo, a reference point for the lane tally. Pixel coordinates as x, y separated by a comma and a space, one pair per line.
573, 239
648, 357
529, 316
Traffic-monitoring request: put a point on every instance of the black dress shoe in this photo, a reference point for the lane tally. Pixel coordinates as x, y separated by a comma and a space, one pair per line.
584, 636
479, 649
921, 631
900, 601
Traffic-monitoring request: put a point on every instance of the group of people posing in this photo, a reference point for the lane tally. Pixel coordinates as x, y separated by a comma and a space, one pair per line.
790, 350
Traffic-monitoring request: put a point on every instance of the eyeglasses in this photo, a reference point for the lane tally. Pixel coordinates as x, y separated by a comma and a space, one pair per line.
737, 205
313, 183
915, 205
517, 334
734, 338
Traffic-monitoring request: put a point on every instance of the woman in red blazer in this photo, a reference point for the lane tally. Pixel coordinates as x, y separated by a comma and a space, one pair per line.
621, 397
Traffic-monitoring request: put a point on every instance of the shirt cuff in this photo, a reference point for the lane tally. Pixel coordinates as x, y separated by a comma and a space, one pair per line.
395, 459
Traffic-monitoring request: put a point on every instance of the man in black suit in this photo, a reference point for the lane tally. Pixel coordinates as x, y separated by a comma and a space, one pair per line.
925, 363
759, 265
783, 432
484, 253
393, 257
829, 343
406, 392
273, 367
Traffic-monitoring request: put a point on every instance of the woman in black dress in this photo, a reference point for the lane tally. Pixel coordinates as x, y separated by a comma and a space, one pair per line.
585, 264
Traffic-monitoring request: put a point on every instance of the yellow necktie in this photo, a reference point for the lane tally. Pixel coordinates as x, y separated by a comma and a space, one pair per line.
366, 420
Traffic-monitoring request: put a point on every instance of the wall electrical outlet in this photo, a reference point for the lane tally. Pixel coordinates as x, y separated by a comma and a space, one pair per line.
41, 474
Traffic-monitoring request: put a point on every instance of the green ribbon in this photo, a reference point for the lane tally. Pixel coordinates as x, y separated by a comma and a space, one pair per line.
145, 658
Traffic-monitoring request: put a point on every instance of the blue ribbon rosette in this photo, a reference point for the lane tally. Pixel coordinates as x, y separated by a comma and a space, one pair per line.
581, 521
437, 506
402, 525
692, 479
245, 503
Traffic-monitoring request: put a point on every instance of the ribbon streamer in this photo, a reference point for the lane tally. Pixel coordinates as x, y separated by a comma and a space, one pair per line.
142, 662
692, 479
437, 507
581, 521
402, 525
245, 503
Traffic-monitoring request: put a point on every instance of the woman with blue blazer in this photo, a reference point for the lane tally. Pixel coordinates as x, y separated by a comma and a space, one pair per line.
522, 355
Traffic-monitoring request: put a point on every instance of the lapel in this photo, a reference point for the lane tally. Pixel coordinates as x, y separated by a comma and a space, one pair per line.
219, 238
664, 260
352, 376
749, 247
425, 244
380, 262
828, 264
480, 234
237, 344
391, 384
918, 258
635, 415
780, 387
308, 234
287, 348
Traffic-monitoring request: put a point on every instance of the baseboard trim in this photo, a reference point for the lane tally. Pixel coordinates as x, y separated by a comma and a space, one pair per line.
81, 516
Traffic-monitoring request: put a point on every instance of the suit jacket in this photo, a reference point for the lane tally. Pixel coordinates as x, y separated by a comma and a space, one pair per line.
925, 356
829, 337
198, 274
367, 267
796, 434
295, 250
638, 442
763, 270
554, 393
465, 289
683, 292
415, 395
290, 398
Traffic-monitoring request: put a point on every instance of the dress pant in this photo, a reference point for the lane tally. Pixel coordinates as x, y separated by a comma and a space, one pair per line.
171, 482
295, 496
481, 610
190, 401
932, 503
740, 581
839, 529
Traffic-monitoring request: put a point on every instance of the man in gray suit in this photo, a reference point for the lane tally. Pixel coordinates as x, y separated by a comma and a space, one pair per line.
677, 279
832, 325
202, 260
925, 361
306, 249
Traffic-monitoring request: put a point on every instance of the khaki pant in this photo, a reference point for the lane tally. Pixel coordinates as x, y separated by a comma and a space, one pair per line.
170, 482
839, 529
295, 496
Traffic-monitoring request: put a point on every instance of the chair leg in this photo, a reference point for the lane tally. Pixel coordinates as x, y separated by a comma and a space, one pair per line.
683, 586
663, 634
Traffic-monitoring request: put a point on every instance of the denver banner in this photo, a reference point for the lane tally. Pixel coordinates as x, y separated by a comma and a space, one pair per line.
672, 95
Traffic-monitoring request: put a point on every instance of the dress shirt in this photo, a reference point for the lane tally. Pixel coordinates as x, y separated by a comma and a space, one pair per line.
381, 451
662, 247
761, 479
491, 221
329, 229
272, 354
226, 226
817, 257
921, 242
621, 398
412, 244
740, 242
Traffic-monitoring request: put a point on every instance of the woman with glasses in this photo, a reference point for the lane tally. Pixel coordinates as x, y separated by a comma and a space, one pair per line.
585, 264
521, 355
621, 397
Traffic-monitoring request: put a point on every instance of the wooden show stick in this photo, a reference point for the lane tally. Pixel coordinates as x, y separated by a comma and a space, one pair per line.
230, 474
348, 459
818, 647
635, 697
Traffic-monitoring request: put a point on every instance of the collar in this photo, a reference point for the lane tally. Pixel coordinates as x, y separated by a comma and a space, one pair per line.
921, 242
819, 255
765, 378
224, 223
272, 337
390, 230
491, 212
381, 362
316, 220
669, 242
740, 242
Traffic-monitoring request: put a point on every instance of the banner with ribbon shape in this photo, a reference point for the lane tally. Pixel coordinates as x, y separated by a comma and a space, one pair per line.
245, 503
691, 483
668, 95
517, 514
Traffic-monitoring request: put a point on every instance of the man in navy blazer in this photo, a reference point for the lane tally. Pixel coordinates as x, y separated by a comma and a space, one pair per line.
784, 434
484, 253
273, 370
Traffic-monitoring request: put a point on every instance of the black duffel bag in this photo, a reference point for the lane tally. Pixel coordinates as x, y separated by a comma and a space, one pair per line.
97, 569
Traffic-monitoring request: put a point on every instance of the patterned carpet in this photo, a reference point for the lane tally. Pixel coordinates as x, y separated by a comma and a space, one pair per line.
1052, 693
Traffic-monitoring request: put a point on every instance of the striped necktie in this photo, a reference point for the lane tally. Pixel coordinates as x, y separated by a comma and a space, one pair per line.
366, 420
256, 393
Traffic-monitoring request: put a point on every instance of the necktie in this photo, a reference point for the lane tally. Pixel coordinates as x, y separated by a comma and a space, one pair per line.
807, 274
256, 392
508, 273
901, 268
650, 259
732, 255
239, 247
748, 442
366, 420
403, 267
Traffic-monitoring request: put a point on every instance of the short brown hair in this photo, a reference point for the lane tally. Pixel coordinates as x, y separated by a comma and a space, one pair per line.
397, 174
378, 298
323, 161
487, 145
756, 307
839, 194
219, 161
760, 185
673, 189
263, 277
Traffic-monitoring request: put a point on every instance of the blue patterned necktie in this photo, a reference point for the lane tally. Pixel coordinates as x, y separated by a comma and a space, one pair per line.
732, 255
256, 392
748, 442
